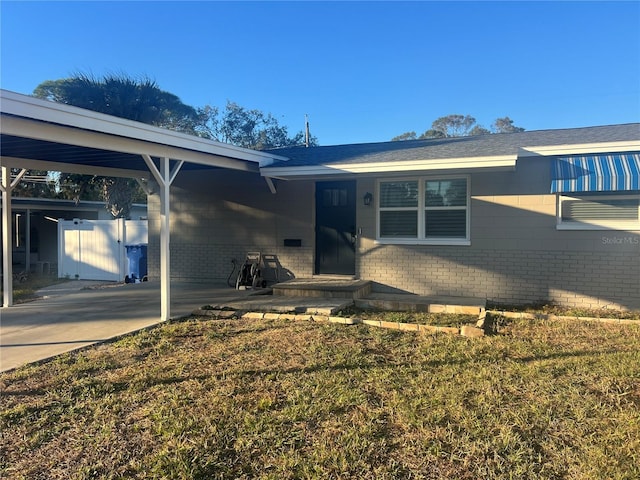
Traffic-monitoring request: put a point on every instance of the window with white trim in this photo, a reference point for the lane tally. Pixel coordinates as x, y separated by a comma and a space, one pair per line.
424, 210
599, 211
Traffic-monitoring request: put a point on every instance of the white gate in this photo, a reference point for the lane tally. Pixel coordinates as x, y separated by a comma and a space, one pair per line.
95, 249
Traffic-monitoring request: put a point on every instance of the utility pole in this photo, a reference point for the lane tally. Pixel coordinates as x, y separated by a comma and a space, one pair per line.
306, 130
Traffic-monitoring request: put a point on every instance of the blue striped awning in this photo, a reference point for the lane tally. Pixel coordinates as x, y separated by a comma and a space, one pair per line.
596, 173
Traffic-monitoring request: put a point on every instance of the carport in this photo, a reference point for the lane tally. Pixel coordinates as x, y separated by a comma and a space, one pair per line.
43, 135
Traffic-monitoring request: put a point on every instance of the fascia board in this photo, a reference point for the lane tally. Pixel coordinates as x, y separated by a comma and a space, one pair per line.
51, 112
582, 148
492, 162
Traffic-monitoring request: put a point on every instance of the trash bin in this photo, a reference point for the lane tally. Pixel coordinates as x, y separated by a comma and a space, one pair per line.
137, 264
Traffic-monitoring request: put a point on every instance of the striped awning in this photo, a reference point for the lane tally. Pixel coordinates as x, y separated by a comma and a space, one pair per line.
596, 173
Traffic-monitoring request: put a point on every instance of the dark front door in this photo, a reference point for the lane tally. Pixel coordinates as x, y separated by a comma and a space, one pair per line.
336, 227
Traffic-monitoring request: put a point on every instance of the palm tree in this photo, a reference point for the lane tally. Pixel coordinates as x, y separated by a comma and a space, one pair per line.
119, 95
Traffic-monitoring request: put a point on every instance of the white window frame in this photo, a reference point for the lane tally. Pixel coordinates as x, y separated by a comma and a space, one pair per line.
624, 225
420, 212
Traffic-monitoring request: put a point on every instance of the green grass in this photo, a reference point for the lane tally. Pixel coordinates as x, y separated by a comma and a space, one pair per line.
204, 399
422, 318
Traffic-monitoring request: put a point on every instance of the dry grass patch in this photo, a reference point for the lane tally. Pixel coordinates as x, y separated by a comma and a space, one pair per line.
206, 399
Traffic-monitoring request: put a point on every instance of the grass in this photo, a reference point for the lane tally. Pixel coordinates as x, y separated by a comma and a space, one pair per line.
24, 291
551, 309
244, 399
422, 318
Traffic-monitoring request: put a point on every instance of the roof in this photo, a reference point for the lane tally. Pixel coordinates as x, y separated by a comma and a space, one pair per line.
481, 151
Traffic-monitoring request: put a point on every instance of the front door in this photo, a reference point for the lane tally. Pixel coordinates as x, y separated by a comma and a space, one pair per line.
336, 227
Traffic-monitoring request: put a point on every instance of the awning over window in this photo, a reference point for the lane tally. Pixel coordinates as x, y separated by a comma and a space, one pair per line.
596, 173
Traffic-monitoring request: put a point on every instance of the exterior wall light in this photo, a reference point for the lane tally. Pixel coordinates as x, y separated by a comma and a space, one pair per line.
368, 198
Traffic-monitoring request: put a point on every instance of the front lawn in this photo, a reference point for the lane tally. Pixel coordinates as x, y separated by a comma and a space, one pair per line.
244, 399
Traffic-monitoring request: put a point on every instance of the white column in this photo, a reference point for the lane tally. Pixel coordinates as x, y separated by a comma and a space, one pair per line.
165, 237
27, 243
6, 186
7, 253
165, 177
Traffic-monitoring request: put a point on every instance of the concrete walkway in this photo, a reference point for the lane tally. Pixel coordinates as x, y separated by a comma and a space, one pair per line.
75, 314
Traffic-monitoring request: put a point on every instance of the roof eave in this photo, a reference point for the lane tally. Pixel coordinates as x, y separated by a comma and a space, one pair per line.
493, 163
581, 148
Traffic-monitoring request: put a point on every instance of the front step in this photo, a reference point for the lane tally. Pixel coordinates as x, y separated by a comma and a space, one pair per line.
323, 288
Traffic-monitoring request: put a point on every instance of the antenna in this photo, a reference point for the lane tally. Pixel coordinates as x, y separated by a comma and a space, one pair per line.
306, 130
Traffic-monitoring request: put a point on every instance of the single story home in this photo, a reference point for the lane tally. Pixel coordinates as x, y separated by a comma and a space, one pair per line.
539, 216
514, 218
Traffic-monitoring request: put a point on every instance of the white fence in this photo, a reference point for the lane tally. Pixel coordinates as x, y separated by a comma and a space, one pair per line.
96, 249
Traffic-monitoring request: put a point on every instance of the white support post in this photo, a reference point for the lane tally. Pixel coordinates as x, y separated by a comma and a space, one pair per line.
271, 185
165, 177
27, 243
6, 186
165, 236
7, 254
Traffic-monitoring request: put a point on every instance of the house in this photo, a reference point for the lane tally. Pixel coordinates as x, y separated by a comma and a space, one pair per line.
514, 218
540, 216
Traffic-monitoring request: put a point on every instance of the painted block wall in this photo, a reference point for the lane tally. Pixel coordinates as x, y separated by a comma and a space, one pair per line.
221, 215
516, 254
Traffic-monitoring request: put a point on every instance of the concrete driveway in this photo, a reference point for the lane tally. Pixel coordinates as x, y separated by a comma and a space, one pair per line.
76, 314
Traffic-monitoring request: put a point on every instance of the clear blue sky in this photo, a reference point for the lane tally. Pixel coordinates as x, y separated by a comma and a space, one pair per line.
363, 71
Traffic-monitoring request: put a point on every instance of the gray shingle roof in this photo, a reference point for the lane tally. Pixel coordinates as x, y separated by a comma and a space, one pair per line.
460, 147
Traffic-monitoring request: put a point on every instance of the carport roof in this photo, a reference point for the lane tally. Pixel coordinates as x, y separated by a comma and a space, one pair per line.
43, 135
40, 134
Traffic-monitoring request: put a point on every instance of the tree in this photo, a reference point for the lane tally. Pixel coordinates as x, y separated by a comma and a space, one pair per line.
139, 100
505, 125
121, 96
456, 125
431, 133
34, 184
478, 130
247, 128
405, 136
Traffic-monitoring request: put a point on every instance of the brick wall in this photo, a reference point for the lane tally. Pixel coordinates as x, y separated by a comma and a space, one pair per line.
516, 254
583, 279
217, 216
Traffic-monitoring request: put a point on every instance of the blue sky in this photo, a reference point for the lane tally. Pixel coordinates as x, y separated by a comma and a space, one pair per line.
362, 71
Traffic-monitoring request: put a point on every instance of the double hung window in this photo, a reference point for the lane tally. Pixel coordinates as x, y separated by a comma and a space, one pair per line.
424, 210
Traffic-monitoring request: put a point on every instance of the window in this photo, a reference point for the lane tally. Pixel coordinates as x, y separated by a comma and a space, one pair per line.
334, 197
424, 210
599, 211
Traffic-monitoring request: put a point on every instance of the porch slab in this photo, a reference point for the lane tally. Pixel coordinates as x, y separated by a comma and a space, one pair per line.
405, 302
323, 288
314, 305
286, 304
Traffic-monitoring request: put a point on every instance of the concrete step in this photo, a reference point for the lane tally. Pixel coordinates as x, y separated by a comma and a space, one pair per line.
416, 303
323, 288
